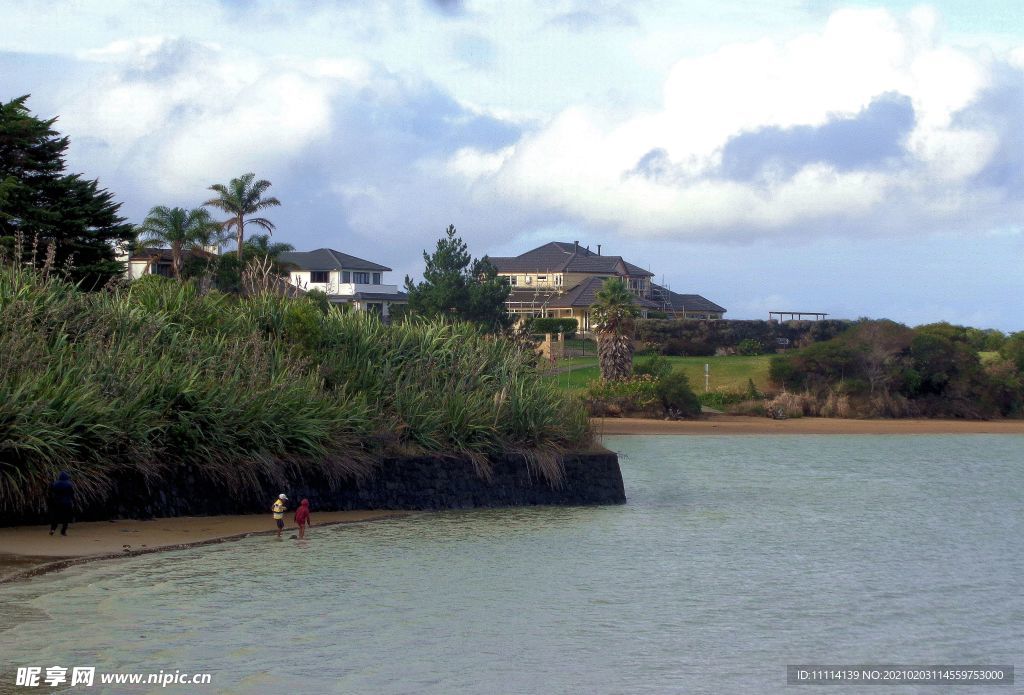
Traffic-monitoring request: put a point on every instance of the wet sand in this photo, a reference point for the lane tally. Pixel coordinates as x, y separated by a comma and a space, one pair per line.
30, 550
738, 424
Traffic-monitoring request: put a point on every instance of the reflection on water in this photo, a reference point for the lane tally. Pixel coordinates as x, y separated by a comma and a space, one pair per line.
734, 557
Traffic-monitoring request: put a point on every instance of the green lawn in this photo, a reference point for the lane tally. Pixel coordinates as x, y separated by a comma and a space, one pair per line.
726, 373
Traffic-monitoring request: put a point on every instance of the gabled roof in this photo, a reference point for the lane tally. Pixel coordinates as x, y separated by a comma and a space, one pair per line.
327, 259
687, 302
559, 257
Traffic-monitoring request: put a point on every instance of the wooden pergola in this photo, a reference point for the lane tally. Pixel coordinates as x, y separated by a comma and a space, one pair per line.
796, 315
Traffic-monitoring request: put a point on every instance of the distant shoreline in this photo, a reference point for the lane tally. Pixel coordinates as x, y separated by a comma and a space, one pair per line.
748, 425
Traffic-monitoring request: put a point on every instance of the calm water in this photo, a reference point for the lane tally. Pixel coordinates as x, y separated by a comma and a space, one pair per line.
734, 557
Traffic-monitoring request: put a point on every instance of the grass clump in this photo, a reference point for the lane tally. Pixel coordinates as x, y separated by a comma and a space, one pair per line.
160, 381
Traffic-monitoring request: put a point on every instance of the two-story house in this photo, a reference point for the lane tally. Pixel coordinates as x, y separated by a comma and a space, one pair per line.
344, 279
560, 280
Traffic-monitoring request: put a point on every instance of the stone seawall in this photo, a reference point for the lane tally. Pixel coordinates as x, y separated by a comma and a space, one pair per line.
423, 482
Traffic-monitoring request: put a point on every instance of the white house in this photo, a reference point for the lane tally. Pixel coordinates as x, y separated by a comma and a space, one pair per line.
344, 279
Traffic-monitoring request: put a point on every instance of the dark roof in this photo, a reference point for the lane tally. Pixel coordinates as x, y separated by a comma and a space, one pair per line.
382, 296
560, 256
327, 259
688, 302
581, 295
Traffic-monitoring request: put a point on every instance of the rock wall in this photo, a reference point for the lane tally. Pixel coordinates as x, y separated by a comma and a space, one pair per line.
423, 482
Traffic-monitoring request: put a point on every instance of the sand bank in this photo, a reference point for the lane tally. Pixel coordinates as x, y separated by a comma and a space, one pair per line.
738, 424
30, 550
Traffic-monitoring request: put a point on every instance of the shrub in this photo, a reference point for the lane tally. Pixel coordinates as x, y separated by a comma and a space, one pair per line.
158, 380
552, 325
749, 347
636, 394
677, 398
655, 366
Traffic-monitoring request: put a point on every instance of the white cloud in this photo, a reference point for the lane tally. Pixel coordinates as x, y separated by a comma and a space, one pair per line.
578, 163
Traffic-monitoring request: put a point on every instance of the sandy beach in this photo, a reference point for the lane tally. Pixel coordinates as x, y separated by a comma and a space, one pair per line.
738, 424
29, 550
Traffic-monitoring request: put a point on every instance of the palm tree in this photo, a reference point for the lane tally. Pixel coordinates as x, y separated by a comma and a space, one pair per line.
259, 245
612, 314
178, 228
240, 198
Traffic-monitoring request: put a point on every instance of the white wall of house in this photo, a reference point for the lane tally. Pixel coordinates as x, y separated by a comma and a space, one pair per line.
331, 282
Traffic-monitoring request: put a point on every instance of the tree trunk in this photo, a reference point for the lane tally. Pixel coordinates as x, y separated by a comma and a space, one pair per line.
615, 356
176, 259
240, 221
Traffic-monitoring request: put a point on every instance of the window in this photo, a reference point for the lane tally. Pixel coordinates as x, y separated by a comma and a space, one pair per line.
376, 278
321, 276
512, 280
346, 276
558, 280
529, 279
542, 278
361, 278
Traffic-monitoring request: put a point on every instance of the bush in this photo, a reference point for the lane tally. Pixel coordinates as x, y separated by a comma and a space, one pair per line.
637, 394
749, 347
654, 389
677, 398
553, 326
655, 366
158, 380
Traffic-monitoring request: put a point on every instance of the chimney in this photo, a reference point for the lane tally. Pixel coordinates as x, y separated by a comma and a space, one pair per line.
576, 247
598, 249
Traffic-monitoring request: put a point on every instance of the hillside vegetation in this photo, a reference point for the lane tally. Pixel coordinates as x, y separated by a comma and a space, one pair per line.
885, 369
156, 378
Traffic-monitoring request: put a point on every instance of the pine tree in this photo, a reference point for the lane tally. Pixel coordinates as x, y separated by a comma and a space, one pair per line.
458, 287
42, 202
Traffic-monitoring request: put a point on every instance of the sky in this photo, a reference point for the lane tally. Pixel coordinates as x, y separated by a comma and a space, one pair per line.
855, 158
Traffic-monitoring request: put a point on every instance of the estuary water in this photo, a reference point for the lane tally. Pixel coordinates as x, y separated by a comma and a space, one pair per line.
734, 557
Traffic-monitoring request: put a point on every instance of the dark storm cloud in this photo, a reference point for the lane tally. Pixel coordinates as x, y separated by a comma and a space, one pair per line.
870, 140
1000, 110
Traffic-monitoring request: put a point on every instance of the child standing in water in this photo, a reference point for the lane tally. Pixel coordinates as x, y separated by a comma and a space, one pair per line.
302, 518
279, 509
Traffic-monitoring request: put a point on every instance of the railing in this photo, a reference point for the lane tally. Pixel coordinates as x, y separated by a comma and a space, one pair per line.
347, 289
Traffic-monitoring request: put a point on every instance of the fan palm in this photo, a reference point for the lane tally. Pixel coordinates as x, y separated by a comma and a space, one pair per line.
240, 198
180, 229
612, 314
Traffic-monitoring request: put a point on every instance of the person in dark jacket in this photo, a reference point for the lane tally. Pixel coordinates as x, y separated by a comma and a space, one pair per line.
62, 501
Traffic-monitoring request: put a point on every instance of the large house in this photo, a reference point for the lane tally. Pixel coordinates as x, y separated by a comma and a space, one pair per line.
560, 280
344, 279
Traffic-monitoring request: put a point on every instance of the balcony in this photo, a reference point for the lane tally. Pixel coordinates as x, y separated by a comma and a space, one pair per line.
347, 289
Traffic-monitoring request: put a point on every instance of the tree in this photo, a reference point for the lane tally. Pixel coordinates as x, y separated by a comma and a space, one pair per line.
612, 314
180, 229
240, 198
42, 203
259, 245
457, 287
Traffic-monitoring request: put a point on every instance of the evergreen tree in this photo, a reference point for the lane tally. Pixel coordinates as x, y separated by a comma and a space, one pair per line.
44, 204
458, 287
